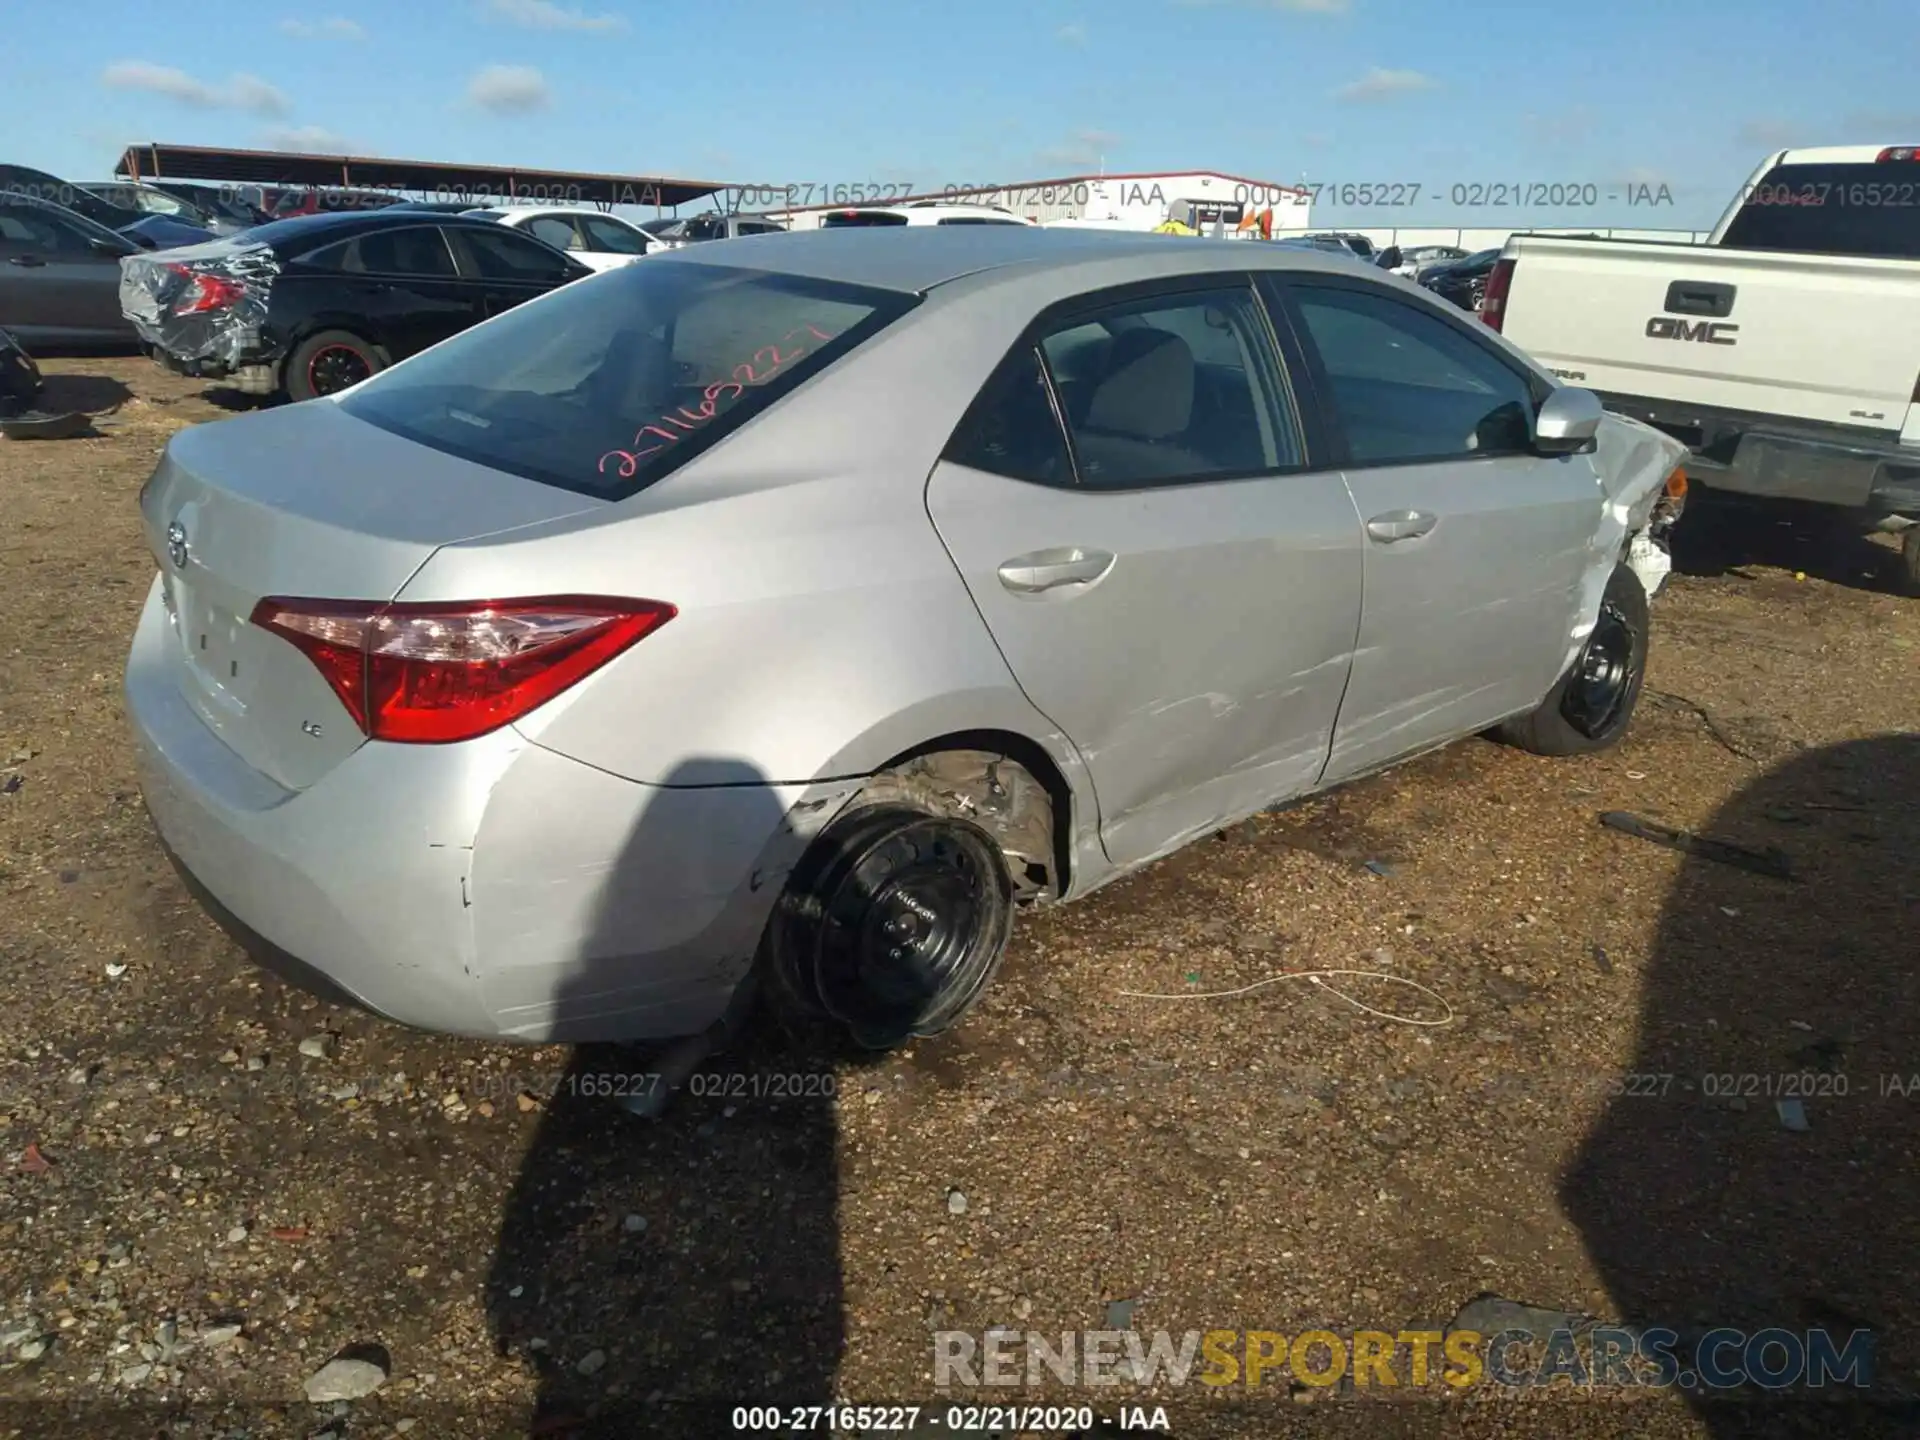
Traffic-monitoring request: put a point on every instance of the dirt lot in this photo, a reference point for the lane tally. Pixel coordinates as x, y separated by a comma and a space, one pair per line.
1593, 1128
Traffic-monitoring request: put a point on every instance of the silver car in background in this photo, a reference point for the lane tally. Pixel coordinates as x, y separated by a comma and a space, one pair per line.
792, 610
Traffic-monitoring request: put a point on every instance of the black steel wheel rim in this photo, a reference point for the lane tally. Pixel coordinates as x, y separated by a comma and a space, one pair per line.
335, 368
908, 931
1603, 676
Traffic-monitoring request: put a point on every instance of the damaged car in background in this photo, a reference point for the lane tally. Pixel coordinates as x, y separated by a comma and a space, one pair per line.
310, 306
775, 618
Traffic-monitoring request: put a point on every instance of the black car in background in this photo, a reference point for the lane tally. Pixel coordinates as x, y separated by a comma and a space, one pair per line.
1462, 282
240, 208
151, 232
60, 275
309, 306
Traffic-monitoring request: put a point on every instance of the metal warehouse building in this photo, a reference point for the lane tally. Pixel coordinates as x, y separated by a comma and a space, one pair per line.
1126, 202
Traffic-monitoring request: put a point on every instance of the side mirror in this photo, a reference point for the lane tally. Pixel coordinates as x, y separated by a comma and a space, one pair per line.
1568, 422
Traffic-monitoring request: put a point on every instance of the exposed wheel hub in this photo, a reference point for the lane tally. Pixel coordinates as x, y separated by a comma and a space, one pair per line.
1603, 676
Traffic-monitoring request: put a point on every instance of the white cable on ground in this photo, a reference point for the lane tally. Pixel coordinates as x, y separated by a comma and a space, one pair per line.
1318, 977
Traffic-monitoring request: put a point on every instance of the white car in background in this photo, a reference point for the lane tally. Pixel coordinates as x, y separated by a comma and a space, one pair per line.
921, 212
596, 239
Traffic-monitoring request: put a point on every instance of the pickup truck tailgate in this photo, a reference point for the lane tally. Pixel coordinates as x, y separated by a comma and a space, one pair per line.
1826, 339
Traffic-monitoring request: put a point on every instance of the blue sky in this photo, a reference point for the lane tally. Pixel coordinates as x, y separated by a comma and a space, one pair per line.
848, 91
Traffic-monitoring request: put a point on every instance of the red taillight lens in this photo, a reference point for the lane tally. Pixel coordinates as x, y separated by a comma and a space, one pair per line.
432, 673
1899, 152
1493, 300
208, 292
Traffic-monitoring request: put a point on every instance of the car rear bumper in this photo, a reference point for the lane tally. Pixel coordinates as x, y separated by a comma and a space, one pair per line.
260, 377
1765, 458
492, 889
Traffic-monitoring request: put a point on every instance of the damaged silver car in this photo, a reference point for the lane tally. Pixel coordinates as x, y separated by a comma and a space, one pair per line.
793, 610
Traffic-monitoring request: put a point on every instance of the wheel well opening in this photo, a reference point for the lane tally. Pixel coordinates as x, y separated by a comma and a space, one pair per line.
1032, 758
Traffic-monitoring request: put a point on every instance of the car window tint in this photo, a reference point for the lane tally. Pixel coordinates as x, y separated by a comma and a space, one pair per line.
556, 231
416, 251
759, 227
1175, 390
499, 254
23, 228
1011, 428
610, 237
1408, 386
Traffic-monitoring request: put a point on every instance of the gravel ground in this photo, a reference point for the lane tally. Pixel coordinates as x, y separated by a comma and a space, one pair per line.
214, 1185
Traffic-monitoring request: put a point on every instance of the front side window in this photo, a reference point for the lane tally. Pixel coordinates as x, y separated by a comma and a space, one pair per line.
1183, 388
605, 388
498, 254
1407, 386
610, 237
555, 230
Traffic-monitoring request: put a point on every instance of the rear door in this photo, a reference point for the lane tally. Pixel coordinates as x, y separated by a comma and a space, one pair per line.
1171, 577
1475, 545
504, 268
54, 285
401, 284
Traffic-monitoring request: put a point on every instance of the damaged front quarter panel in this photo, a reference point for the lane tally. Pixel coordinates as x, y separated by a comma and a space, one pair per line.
1634, 463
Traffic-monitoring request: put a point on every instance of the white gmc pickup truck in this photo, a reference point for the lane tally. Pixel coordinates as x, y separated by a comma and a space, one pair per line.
1784, 352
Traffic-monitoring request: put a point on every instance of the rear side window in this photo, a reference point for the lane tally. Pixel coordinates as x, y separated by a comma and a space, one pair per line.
606, 387
1408, 386
1868, 210
417, 250
1012, 429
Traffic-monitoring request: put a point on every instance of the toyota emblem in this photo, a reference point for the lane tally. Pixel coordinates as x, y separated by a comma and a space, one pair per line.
177, 545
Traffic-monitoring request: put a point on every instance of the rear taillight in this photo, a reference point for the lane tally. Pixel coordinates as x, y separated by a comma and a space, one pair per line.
206, 292
433, 673
1493, 300
1898, 152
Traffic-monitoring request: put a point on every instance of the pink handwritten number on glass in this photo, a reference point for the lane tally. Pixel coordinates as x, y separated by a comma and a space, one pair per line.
686, 421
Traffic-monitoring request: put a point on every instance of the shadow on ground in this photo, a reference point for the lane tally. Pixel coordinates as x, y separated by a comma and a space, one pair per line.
1783, 1192
1722, 536
657, 1273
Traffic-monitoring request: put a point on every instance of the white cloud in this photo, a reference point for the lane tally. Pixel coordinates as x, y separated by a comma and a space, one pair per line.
1074, 34
510, 90
1769, 134
1378, 84
1081, 149
331, 27
241, 92
1300, 7
545, 15
1900, 126
308, 140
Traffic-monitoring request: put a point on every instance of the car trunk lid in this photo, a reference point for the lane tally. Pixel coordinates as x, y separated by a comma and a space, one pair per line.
304, 502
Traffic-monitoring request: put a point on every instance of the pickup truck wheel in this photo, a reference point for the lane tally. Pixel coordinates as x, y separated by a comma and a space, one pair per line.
889, 929
1910, 559
329, 361
1594, 702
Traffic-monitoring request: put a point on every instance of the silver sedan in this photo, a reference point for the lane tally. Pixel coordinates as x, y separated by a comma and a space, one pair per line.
794, 610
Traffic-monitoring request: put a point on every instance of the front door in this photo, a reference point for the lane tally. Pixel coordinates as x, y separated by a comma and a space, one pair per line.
54, 284
505, 268
1475, 545
1170, 582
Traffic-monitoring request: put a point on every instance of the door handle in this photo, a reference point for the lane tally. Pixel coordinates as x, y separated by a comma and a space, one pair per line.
1050, 569
27, 261
1401, 525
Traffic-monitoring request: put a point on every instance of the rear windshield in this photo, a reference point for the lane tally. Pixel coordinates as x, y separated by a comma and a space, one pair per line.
608, 384
863, 217
1868, 209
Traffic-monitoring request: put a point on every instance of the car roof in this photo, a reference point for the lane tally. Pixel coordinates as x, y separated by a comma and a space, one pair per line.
915, 259
342, 224
1836, 154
